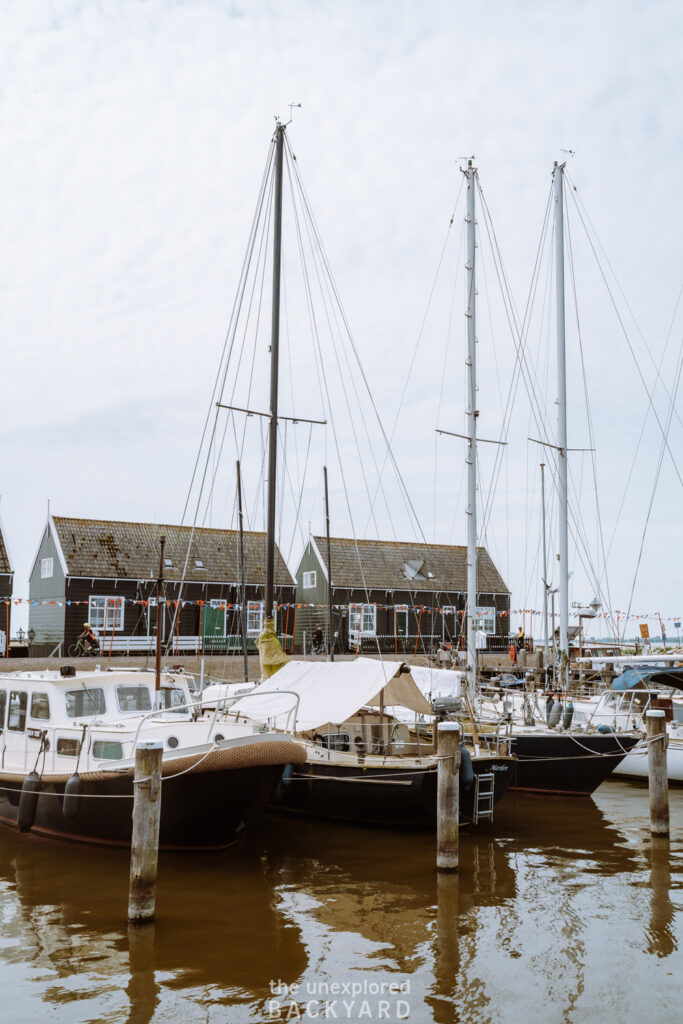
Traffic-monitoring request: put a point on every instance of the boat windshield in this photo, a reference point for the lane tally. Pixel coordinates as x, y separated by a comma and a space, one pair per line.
84, 703
133, 698
172, 698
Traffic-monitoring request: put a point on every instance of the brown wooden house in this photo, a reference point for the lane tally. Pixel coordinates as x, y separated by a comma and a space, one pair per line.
397, 596
105, 573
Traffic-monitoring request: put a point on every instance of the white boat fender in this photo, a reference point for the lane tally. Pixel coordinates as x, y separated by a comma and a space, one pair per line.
71, 804
466, 769
28, 801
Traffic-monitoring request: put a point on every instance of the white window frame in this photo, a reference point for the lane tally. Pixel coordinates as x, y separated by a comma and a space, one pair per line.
102, 616
486, 620
369, 611
449, 609
47, 568
310, 580
252, 608
363, 618
152, 625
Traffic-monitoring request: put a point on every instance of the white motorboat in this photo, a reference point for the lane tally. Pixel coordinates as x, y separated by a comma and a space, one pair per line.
67, 758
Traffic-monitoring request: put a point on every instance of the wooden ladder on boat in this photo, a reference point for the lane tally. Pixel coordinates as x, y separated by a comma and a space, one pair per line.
484, 785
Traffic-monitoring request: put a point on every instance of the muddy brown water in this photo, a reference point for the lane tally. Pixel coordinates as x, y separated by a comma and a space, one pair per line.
563, 911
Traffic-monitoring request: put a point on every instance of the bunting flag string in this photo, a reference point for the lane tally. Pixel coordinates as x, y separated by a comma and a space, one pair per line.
353, 606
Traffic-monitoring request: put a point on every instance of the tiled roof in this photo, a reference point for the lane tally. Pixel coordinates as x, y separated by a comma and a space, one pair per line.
383, 564
111, 550
5, 567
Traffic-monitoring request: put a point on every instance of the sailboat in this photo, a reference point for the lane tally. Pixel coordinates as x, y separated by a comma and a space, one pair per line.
361, 764
556, 759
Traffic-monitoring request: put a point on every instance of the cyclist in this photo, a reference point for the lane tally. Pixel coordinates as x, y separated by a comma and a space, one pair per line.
318, 640
88, 639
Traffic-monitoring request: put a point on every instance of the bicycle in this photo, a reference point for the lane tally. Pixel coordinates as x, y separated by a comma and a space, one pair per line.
82, 650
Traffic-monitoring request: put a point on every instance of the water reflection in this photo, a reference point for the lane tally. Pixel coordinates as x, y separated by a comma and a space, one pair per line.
219, 925
542, 899
661, 938
142, 989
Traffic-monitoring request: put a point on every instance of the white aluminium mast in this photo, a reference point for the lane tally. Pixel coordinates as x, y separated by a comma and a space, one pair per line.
558, 182
472, 414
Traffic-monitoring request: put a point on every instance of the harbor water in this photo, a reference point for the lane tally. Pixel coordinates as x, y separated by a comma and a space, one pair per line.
563, 911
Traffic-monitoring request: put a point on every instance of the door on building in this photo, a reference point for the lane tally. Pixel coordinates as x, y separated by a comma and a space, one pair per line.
401, 619
213, 620
449, 624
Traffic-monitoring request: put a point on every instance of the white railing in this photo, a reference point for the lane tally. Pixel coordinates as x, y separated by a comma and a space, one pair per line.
84, 733
224, 704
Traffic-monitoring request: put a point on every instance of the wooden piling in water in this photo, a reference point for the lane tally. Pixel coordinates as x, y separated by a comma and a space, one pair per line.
657, 742
144, 849
448, 793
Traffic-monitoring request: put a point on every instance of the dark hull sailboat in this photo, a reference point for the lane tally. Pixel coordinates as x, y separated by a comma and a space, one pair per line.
566, 764
209, 808
401, 796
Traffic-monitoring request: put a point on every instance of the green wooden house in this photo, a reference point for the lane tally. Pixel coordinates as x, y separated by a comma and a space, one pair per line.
396, 596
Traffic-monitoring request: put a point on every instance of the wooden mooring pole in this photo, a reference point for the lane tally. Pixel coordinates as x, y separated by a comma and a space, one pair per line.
448, 794
144, 849
657, 742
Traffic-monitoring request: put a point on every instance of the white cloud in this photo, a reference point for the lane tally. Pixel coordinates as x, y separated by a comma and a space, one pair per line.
133, 140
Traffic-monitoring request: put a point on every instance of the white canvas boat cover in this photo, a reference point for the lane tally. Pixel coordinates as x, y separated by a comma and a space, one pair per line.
438, 682
330, 692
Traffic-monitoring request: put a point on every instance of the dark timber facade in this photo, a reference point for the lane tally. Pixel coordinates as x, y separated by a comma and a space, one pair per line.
105, 573
394, 596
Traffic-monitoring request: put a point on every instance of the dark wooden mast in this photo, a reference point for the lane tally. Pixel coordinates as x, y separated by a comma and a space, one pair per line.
330, 627
160, 614
274, 367
243, 615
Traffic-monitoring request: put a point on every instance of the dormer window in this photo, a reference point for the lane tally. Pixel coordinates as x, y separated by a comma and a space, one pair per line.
168, 562
415, 569
198, 564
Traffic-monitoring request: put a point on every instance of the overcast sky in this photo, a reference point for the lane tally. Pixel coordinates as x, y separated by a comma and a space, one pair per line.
133, 139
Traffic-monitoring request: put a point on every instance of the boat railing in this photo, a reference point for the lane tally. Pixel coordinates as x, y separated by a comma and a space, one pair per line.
47, 753
223, 704
631, 716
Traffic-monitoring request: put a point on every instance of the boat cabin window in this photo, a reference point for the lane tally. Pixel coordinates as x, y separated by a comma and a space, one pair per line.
171, 698
107, 748
3, 704
67, 747
40, 706
336, 741
16, 716
133, 698
84, 703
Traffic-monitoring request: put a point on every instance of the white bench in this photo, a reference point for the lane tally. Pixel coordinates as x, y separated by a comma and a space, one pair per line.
145, 644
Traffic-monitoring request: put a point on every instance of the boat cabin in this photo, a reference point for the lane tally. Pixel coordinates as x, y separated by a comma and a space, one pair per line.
55, 718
